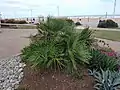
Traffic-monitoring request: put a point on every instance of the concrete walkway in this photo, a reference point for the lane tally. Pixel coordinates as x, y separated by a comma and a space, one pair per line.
113, 44
13, 40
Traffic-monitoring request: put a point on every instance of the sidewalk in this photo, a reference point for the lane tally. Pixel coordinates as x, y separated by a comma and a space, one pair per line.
12, 41
115, 45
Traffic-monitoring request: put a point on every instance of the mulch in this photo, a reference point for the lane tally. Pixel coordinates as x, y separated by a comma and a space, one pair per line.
49, 80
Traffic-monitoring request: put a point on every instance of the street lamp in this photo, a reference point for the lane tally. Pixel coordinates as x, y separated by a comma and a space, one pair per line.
31, 14
0, 19
114, 8
58, 10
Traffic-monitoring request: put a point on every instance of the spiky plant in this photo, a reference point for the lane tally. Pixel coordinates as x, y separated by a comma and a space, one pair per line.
100, 60
44, 54
106, 80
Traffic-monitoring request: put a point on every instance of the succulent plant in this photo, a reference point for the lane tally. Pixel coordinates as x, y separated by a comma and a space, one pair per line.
106, 80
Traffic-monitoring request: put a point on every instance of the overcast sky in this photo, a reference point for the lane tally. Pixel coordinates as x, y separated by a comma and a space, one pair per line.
22, 8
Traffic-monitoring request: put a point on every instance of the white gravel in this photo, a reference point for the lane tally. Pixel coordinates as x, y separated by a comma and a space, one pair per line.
11, 72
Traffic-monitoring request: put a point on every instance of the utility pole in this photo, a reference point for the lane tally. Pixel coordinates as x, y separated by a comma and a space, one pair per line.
58, 11
114, 8
31, 14
0, 19
106, 15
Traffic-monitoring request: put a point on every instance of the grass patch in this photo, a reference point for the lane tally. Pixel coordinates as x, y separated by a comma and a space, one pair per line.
110, 35
105, 34
26, 27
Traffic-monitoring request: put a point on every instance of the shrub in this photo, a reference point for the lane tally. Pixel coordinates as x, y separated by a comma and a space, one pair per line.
106, 80
10, 21
21, 22
44, 54
100, 60
13, 21
109, 52
70, 21
78, 24
58, 47
107, 24
87, 37
105, 49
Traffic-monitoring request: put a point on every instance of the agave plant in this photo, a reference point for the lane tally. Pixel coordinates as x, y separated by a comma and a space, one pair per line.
106, 80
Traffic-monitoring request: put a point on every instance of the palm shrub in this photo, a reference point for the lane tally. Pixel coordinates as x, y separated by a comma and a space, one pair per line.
87, 37
70, 21
59, 46
44, 54
106, 80
76, 52
100, 60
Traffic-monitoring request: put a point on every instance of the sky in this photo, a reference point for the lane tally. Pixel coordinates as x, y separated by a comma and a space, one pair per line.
23, 8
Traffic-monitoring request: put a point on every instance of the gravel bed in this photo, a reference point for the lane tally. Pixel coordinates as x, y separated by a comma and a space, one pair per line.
11, 72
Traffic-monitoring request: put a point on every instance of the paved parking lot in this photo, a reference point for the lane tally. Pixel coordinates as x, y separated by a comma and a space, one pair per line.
13, 40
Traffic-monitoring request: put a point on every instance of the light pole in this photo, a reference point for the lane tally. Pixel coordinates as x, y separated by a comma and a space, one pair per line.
0, 19
58, 10
106, 15
114, 8
31, 14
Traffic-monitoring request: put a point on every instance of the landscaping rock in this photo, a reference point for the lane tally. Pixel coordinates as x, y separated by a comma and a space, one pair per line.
11, 73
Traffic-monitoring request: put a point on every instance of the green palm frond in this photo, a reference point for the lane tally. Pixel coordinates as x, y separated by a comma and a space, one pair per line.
59, 47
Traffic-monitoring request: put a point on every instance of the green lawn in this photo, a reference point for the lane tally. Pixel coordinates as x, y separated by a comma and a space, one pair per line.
110, 35
26, 27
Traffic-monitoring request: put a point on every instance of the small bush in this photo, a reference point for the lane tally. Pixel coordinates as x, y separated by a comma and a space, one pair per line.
13, 21
70, 21
106, 49
107, 24
78, 24
44, 54
102, 61
10, 21
21, 22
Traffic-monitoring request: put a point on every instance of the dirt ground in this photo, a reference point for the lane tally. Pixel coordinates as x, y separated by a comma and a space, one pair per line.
49, 80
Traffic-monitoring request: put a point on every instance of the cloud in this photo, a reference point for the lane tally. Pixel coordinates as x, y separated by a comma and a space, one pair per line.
67, 7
